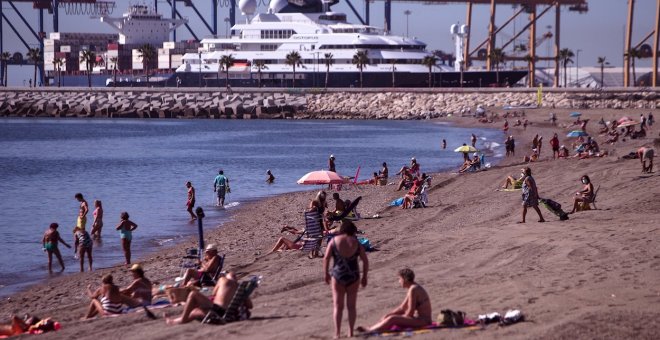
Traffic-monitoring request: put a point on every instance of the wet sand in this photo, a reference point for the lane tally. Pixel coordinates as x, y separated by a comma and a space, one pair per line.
593, 276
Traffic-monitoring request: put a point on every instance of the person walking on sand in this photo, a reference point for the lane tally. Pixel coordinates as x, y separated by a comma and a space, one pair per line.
345, 250
270, 178
49, 243
82, 244
220, 184
530, 195
190, 202
126, 228
644, 154
554, 144
82, 211
97, 225
414, 312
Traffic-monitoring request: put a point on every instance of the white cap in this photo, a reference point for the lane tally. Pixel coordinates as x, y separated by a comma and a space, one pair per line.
332, 156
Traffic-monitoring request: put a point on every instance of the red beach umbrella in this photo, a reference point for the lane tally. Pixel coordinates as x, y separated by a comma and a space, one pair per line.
321, 177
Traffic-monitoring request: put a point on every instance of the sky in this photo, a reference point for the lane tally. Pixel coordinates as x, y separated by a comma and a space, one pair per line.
599, 32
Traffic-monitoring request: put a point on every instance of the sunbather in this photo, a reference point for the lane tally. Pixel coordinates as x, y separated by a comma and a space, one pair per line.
646, 154
406, 178
471, 165
15, 327
514, 183
207, 267
412, 193
198, 305
286, 244
140, 288
415, 311
586, 195
110, 300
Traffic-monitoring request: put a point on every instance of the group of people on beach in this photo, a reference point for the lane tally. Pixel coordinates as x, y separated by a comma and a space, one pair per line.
83, 241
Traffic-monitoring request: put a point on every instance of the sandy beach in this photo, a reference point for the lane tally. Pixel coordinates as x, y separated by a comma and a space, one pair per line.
594, 276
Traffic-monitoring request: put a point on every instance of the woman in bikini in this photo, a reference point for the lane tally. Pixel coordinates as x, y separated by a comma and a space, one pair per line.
97, 225
49, 242
126, 228
140, 289
107, 299
82, 244
586, 195
286, 244
344, 278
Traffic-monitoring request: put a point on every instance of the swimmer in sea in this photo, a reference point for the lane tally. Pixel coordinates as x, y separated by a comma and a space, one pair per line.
270, 179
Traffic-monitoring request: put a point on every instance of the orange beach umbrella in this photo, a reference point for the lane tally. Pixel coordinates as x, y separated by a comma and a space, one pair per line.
321, 177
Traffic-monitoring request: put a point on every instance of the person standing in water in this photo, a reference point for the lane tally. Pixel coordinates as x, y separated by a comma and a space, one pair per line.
190, 203
126, 228
97, 225
82, 244
220, 184
82, 211
444, 144
331, 163
270, 179
473, 139
49, 243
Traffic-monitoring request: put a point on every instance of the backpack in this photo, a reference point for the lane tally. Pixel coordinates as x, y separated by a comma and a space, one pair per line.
452, 318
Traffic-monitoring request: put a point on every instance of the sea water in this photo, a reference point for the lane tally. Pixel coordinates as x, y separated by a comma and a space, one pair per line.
141, 166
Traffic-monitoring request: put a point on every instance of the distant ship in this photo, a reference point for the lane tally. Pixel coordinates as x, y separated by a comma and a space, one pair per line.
311, 29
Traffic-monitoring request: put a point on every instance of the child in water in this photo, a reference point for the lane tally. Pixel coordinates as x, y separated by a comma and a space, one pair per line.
49, 242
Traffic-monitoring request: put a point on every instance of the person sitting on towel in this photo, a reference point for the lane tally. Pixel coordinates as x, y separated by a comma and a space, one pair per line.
415, 311
110, 299
198, 305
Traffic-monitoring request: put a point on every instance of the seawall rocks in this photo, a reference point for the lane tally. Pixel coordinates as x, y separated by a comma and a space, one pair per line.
301, 103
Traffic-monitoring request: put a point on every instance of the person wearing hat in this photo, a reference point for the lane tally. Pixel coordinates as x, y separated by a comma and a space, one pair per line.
82, 244
331, 163
140, 289
207, 267
270, 179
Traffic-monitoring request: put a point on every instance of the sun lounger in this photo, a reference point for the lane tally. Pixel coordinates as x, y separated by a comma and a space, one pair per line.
313, 235
206, 281
235, 310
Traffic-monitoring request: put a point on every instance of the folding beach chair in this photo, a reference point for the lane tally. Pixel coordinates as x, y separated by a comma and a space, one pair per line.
313, 235
235, 311
211, 281
593, 200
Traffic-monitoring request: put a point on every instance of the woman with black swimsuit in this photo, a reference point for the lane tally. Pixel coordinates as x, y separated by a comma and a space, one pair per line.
345, 249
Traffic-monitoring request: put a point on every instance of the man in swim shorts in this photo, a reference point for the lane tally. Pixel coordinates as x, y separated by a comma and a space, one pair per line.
220, 184
82, 211
645, 154
190, 202
198, 304
414, 312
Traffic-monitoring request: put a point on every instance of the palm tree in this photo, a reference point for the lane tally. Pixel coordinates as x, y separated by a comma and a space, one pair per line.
496, 57
361, 60
633, 54
57, 63
89, 58
114, 61
34, 55
227, 61
147, 55
430, 61
293, 59
328, 60
565, 56
6, 56
529, 60
259, 65
602, 63
393, 63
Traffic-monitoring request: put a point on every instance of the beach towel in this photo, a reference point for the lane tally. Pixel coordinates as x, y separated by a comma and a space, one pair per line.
397, 202
398, 331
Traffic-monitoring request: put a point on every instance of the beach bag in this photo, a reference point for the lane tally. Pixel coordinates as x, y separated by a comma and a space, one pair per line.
554, 208
365, 243
452, 318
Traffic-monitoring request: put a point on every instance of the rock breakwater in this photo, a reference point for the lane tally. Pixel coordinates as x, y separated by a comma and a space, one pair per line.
303, 103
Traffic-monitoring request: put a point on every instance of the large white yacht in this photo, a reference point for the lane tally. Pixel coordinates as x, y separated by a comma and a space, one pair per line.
311, 29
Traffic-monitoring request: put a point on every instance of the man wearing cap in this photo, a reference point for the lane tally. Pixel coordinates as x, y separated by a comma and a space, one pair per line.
220, 184
207, 267
140, 289
331, 163
198, 305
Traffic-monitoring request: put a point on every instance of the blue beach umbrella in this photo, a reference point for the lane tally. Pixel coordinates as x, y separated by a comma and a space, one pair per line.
575, 114
577, 133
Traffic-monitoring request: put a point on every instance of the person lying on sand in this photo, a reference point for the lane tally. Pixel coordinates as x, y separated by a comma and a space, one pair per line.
207, 267
29, 323
15, 327
140, 288
110, 299
415, 311
286, 244
198, 304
